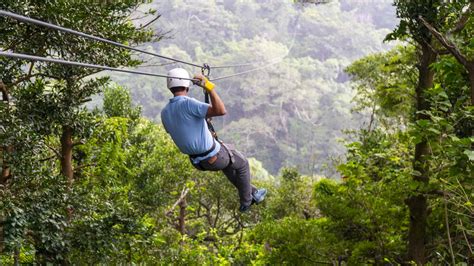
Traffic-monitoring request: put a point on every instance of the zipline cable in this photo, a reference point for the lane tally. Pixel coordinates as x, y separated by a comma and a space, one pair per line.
247, 71
279, 59
88, 36
73, 63
204, 66
237, 65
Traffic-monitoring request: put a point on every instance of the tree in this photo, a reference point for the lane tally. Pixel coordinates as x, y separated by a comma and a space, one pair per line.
463, 28
411, 27
385, 84
49, 98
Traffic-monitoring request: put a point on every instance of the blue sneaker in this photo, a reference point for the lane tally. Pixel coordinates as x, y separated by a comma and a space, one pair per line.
259, 195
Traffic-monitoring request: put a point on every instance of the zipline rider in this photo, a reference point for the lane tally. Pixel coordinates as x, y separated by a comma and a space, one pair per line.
184, 118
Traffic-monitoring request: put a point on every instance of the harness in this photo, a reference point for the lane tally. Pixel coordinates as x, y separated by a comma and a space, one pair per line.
210, 126
194, 156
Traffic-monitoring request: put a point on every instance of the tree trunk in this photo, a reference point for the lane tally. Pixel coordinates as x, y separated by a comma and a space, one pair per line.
8, 149
5, 167
2, 238
417, 204
416, 236
66, 154
16, 257
470, 70
66, 161
5, 172
182, 216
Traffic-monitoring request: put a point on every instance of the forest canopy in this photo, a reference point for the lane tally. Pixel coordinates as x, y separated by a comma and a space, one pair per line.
361, 129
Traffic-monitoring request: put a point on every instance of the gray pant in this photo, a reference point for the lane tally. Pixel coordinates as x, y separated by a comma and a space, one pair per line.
238, 173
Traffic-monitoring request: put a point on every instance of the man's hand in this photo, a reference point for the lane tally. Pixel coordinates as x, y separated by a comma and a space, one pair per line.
204, 82
216, 108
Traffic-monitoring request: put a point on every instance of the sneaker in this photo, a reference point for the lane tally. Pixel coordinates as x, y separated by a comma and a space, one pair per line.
259, 195
244, 208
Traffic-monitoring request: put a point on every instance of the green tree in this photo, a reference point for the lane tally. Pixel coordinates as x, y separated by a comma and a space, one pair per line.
411, 27
385, 84
292, 197
48, 99
118, 103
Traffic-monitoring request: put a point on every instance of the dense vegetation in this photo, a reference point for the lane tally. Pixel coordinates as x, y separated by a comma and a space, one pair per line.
106, 185
291, 113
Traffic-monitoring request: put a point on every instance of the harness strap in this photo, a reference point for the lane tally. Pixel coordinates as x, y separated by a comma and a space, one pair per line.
194, 156
229, 151
210, 126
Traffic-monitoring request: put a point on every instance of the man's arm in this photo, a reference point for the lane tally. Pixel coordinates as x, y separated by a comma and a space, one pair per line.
217, 107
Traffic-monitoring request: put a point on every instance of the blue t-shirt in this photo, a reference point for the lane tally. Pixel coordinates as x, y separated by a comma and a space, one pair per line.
184, 118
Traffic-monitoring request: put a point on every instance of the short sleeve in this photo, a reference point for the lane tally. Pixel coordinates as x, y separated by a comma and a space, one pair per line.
163, 118
197, 108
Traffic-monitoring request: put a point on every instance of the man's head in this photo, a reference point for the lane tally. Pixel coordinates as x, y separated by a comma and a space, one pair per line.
179, 80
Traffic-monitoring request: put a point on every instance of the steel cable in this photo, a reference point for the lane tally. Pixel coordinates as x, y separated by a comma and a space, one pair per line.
88, 36
247, 71
237, 65
73, 63
279, 59
92, 37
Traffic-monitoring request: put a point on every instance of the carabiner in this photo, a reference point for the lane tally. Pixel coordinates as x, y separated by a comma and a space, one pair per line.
205, 68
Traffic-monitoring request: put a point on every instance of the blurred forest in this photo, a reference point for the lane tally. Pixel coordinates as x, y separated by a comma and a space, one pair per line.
89, 176
291, 113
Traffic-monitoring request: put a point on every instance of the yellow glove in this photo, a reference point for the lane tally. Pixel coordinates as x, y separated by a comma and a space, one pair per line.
204, 82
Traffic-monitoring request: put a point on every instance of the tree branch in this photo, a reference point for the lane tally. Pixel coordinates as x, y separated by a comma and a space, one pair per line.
449, 45
181, 198
217, 212
446, 220
48, 158
149, 22
3, 89
80, 142
464, 19
80, 167
443, 52
58, 154
31, 68
26, 77
465, 237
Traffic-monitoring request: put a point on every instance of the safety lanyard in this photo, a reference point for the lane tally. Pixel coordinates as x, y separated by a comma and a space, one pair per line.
210, 126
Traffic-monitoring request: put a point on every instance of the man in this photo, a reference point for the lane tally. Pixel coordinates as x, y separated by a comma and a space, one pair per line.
184, 118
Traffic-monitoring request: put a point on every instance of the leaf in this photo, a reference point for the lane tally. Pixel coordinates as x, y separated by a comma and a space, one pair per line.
434, 130
470, 154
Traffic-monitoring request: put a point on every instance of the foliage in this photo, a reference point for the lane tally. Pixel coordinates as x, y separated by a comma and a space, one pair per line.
385, 86
368, 208
135, 199
45, 118
118, 103
289, 114
292, 198
296, 241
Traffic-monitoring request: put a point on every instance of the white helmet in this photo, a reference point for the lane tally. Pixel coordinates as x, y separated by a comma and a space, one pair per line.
180, 78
